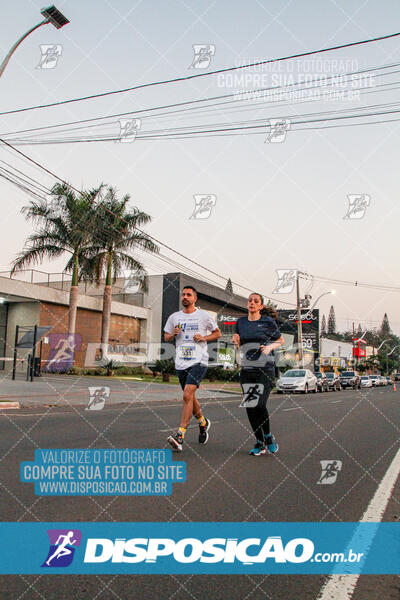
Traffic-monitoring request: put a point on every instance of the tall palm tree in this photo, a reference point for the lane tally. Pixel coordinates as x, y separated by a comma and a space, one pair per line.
64, 229
109, 257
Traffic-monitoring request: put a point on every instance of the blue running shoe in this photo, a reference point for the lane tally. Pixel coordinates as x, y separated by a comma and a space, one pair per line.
258, 449
271, 443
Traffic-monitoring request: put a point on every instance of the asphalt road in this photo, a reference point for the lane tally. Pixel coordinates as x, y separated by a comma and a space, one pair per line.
224, 483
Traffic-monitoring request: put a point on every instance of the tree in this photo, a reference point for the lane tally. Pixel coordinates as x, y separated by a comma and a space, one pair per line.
359, 331
331, 321
385, 330
66, 230
323, 326
229, 287
109, 256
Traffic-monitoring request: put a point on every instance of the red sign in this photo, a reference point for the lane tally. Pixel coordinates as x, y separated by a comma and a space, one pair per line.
359, 352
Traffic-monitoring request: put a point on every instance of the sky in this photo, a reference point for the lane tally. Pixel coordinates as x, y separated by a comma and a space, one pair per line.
276, 205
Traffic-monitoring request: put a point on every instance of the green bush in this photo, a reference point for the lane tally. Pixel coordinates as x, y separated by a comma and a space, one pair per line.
221, 374
165, 366
132, 371
86, 371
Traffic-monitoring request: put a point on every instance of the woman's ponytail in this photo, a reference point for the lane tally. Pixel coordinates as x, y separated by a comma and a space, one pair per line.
268, 311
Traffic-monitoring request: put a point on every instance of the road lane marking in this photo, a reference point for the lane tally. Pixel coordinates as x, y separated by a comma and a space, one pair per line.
342, 587
335, 401
295, 408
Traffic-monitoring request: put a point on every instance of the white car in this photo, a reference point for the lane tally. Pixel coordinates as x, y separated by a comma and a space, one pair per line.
297, 380
374, 379
366, 381
381, 381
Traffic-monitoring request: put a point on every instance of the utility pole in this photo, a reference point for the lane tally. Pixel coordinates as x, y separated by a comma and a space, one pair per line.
299, 325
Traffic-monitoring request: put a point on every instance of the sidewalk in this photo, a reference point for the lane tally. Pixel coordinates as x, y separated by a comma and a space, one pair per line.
69, 390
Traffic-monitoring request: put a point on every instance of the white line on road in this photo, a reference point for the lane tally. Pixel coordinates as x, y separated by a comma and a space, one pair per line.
336, 401
341, 587
295, 408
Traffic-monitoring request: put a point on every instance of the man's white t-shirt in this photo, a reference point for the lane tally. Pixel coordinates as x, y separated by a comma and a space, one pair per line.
188, 352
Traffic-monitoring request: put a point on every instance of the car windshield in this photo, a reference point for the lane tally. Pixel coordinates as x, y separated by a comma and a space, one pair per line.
330, 375
373, 377
294, 373
319, 375
365, 378
348, 374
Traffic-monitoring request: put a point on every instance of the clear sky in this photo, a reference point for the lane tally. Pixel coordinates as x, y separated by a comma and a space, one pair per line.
278, 205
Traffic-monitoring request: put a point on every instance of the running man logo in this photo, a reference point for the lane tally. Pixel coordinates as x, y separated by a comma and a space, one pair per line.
50, 55
286, 281
330, 470
357, 206
252, 393
203, 54
128, 129
203, 205
98, 397
63, 543
62, 351
278, 130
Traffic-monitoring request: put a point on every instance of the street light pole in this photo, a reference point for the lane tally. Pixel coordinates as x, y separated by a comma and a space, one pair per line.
52, 15
299, 325
17, 43
387, 357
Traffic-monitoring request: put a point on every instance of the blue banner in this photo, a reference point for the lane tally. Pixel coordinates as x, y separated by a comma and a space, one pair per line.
192, 548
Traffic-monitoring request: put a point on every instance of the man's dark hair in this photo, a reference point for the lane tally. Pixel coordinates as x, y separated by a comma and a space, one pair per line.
189, 287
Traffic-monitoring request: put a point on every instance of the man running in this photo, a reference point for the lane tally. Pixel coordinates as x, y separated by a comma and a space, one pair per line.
189, 328
62, 549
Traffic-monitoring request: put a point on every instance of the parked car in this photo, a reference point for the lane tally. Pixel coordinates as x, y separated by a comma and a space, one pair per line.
322, 382
350, 379
397, 376
297, 380
366, 381
389, 380
374, 379
381, 381
333, 381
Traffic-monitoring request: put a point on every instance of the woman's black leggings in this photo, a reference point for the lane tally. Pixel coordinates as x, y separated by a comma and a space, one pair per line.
257, 383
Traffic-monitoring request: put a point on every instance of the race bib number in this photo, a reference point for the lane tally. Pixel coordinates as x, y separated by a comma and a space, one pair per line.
187, 352
252, 393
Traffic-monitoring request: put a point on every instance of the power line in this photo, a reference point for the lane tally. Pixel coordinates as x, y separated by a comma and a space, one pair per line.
210, 99
357, 283
197, 75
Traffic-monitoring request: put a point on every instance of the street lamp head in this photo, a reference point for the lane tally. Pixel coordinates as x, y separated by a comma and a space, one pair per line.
333, 291
54, 16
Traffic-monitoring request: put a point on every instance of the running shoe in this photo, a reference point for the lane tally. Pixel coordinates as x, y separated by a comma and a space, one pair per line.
258, 449
176, 441
203, 435
271, 443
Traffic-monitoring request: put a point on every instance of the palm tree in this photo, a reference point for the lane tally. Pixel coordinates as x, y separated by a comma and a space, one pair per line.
66, 229
108, 256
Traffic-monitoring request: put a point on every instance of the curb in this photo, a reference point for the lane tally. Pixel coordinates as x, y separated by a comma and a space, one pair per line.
6, 405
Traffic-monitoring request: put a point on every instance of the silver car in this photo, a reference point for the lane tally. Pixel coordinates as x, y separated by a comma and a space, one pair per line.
366, 381
297, 380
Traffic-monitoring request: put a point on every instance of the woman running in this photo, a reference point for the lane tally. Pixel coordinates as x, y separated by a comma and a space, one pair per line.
258, 336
